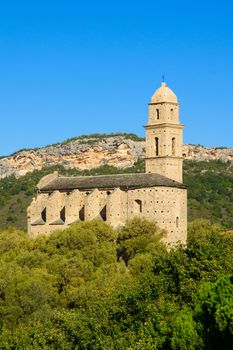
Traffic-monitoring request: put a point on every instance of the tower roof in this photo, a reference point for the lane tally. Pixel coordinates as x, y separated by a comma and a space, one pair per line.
164, 94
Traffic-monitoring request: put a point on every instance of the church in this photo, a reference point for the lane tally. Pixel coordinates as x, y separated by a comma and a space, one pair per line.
158, 194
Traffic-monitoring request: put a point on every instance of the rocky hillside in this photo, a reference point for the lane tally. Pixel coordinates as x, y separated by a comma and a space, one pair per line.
93, 151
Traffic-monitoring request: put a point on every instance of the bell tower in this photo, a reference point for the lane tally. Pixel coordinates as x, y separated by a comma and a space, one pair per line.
164, 135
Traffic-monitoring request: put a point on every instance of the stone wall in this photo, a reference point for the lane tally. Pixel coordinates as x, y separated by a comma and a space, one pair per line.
167, 162
165, 205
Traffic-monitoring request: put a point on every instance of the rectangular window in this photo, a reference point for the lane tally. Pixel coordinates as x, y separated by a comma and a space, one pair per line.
156, 146
43, 215
138, 203
103, 213
82, 214
63, 214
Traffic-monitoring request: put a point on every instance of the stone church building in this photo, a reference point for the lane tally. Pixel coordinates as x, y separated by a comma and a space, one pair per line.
158, 194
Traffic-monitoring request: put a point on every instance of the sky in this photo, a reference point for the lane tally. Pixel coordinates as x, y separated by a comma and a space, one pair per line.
69, 68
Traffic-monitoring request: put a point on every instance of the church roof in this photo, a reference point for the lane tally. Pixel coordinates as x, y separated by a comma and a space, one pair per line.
164, 94
123, 181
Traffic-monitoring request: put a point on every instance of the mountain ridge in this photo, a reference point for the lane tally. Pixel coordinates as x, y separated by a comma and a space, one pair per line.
87, 152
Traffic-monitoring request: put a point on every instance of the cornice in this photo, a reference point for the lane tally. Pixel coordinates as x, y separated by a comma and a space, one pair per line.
164, 125
163, 102
162, 157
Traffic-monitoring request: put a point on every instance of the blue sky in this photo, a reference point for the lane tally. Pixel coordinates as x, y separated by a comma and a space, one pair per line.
77, 67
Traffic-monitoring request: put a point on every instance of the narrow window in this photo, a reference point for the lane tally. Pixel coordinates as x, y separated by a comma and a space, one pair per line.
103, 213
173, 146
156, 146
63, 214
157, 113
43, 215
177, 221
82, 214
138, 203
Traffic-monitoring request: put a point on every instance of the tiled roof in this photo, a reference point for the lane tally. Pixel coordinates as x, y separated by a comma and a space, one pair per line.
123, 181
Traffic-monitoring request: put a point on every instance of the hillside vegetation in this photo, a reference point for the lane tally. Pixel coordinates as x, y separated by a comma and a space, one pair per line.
91, 287
210, 191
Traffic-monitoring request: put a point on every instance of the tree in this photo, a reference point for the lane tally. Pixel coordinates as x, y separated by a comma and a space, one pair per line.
214, 313
137, 236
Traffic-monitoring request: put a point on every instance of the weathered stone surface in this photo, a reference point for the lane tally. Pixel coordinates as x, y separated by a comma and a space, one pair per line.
198, 152
91, 153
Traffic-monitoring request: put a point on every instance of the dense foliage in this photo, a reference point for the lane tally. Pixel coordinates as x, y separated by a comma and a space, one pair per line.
93, 287
210, 191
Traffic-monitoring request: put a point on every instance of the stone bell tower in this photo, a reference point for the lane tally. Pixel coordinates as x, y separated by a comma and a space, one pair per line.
164, 135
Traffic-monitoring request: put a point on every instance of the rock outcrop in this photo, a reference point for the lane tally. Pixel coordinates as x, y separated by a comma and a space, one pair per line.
93, 152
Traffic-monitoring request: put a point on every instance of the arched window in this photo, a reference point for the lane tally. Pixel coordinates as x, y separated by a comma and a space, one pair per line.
177, 221
157, 113
138, 206
173, 146
156, 146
